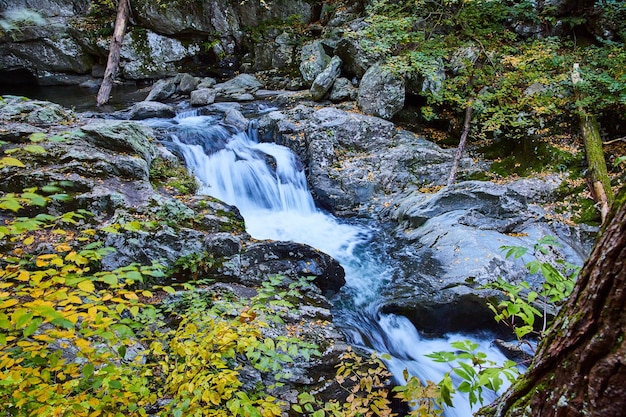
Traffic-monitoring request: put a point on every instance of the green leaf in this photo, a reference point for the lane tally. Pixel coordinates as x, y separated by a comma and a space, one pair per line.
9, 203
35, 149
32, 326
169, 290
35, 199
110, 279
88, 370
21, 317
60, 197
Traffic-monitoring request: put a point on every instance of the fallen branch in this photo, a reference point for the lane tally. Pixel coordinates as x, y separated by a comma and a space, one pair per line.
114, 53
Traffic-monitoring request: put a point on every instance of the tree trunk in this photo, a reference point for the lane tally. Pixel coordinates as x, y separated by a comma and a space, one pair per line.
600, 183
459, 151
114, 52
580, 367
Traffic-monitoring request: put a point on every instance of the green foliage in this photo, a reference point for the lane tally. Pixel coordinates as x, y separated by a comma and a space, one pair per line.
476, 372
524, 303
519, 86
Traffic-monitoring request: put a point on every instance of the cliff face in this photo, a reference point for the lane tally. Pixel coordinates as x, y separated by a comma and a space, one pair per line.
58, 42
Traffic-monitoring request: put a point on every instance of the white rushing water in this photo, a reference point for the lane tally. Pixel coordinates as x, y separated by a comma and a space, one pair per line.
267, 183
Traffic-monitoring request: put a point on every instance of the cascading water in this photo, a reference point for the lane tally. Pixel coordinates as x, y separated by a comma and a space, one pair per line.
268, 185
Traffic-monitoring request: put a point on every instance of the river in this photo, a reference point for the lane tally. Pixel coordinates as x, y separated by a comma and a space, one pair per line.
268, 185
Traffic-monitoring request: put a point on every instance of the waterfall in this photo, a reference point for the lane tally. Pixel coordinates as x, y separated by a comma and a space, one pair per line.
268, 184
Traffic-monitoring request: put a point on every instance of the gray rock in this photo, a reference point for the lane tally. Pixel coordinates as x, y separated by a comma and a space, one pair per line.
239, 88
162, 90
122, 136
342, 90
187, 84
33, 112
451, 244
235, 118
48, 47
276, 51
324, 80
146, 54
202, 96
207, 82
356, 59
148, 109
313, 61
381, 93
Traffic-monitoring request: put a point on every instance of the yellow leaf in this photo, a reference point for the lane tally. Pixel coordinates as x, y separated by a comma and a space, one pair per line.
74, 299
86, 286
29, 240
9, 303
63, 247
23, 275
131, 296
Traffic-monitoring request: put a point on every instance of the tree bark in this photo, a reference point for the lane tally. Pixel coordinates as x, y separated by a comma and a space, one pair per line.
114, 52
600, 183
580, 367
459, 151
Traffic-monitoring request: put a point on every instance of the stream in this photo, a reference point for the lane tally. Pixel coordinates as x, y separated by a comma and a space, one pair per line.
267, 183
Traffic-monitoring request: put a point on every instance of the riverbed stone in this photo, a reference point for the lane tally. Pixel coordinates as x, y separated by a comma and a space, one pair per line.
149, 109
202, 96
162, 90
187, 83
235, 118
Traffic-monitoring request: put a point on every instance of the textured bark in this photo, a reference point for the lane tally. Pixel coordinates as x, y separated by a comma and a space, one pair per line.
114, 52
580, 368
459, 151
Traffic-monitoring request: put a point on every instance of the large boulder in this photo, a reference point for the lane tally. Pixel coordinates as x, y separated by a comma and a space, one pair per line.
313, 60
356, 59
381, 92
122, 136
342, 90
325, 79
202, 96
34, 113
450, 243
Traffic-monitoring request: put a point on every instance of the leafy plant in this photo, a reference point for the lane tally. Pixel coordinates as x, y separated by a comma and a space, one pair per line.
476, 372
526, 304
425, 400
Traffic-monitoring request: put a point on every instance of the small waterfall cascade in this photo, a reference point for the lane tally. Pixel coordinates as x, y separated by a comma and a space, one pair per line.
268, 185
